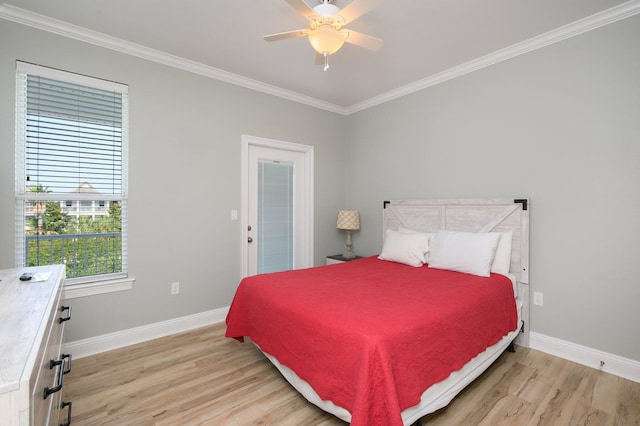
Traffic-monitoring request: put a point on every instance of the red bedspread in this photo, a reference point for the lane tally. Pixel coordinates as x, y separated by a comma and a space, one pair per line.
371, 335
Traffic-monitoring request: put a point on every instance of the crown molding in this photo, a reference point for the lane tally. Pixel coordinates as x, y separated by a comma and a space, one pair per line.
65, 29
55, 26
581, 26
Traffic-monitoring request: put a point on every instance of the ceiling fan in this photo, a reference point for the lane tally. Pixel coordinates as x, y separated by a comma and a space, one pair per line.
326, 21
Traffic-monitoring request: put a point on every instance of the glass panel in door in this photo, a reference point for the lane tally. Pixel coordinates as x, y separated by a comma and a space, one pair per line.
275, 216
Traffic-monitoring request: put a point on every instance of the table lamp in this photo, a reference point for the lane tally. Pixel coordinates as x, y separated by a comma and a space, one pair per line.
348, 220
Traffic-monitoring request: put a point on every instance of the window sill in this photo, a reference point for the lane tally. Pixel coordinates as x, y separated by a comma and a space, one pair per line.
73, 291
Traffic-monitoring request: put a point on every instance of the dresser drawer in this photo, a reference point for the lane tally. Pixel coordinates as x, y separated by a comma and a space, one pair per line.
50, 373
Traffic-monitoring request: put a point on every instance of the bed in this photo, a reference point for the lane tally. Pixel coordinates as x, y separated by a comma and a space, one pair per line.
390, 338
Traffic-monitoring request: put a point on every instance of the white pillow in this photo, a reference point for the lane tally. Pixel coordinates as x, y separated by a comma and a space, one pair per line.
409, 248
502, 260
428, 235
468, 252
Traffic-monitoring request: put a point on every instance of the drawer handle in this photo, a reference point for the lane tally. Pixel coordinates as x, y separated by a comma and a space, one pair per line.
62, 407
68, 317
47, 390
68, 357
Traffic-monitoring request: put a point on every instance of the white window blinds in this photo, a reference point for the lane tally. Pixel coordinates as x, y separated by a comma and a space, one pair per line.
74, 135
71, 171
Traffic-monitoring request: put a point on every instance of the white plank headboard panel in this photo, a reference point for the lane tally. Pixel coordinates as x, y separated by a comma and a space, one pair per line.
472, 215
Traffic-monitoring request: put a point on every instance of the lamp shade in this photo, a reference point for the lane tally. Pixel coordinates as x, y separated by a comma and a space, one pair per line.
348, 220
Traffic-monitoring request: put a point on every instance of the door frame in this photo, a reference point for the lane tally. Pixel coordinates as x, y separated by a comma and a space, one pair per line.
306, 228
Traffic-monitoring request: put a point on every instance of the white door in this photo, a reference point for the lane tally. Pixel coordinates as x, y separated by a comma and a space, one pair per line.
277, 206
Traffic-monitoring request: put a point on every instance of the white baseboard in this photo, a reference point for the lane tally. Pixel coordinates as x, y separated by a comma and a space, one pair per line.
614, 364
610, 363
119, 339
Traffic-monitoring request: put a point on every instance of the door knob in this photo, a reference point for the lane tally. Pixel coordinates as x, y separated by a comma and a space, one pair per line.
250, 239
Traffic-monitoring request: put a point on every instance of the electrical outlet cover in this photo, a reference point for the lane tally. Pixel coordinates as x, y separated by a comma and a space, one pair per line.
538, 298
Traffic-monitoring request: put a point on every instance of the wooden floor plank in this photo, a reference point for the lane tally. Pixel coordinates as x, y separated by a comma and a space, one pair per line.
202, 378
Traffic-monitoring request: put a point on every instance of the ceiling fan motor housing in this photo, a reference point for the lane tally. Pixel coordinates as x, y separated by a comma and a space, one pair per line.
326, 9
326, 14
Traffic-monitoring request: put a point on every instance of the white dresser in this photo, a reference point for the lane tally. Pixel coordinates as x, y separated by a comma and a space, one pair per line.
31, 333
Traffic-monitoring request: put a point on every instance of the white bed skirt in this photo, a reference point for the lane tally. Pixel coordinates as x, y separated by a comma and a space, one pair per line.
437, 396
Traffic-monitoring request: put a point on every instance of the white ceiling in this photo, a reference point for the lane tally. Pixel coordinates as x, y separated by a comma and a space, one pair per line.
424, 40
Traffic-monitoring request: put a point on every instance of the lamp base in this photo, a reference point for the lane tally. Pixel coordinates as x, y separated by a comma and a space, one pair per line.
348, 253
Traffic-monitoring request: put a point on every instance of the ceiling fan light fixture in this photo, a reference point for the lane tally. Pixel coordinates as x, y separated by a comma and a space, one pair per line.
327, 39
326, 21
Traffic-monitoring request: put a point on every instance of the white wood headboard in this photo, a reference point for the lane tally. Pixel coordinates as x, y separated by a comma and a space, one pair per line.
472, 215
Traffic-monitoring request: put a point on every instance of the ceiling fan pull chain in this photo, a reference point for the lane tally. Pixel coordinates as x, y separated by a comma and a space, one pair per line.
326, 60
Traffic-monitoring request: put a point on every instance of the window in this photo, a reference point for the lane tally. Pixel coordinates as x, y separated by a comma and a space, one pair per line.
71, 173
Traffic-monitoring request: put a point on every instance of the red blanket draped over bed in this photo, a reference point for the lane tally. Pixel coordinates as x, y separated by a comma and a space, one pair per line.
372, 335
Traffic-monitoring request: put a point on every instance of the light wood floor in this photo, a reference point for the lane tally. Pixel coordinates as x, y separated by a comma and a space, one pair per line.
202, 378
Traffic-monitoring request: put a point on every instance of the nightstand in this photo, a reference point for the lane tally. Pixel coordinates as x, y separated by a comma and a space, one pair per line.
337, 258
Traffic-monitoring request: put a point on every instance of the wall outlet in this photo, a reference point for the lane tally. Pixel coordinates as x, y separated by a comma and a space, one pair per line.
538, 298
175, 288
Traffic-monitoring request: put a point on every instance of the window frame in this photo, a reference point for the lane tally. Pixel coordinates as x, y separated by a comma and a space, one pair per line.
91, 284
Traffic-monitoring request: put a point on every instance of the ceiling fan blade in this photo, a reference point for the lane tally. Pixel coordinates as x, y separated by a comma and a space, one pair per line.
357, 8
362, 40
288, 34
301, 7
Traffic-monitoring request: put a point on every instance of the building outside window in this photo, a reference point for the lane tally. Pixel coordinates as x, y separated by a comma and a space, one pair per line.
71, 173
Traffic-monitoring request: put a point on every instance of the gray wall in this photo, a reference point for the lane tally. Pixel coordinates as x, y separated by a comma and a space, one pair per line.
185, 133
560, 126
